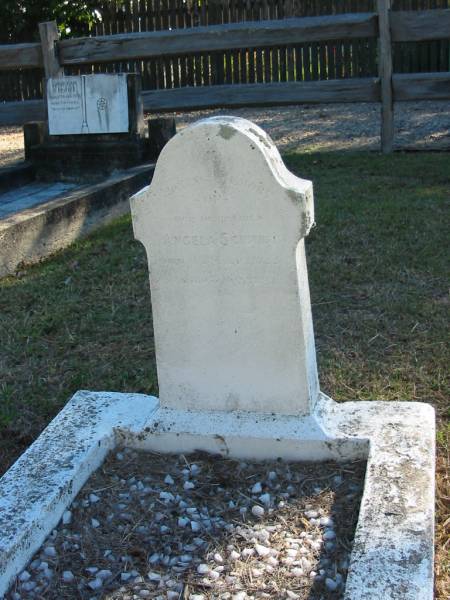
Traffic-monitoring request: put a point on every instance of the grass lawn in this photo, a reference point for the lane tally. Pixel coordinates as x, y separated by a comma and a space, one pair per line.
378, 266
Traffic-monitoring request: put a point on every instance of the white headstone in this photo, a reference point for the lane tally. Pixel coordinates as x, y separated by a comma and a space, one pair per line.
87, 104
223, 223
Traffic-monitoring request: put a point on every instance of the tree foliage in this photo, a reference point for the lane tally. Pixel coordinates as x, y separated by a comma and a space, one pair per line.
20, 18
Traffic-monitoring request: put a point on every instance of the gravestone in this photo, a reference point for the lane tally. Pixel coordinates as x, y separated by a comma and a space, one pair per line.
224, 229
95, 126
87, 104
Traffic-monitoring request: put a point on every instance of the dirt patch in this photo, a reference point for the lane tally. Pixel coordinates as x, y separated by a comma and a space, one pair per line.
333, 127
11, 145
418, 125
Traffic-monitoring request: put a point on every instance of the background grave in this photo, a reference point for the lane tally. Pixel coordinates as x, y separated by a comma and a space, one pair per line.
87, 104
82, 165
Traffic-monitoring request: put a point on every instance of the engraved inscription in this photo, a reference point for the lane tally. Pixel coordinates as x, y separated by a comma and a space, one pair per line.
223, 239
87, 104
64, 95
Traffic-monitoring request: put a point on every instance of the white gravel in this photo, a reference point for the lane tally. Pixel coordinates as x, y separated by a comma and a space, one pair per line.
154, 537
423, 125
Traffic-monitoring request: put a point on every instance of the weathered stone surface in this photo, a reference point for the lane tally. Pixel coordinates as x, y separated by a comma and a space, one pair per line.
223, 225
87, 104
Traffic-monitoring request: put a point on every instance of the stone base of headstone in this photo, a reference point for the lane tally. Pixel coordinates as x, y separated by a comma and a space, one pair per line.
90, 158
12, 177
34, 134
160, 130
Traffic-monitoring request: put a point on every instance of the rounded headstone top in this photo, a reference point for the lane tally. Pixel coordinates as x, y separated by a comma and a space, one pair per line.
225, 153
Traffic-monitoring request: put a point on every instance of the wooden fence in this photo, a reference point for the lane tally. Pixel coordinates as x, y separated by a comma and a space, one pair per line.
308, 61
384, 28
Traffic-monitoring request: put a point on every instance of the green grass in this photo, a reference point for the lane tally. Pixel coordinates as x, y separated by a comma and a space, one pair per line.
79, 320
378, 265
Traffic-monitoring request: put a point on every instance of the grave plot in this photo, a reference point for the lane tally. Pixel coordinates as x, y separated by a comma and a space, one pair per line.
223, 224
82, 165
199, 526
95, 125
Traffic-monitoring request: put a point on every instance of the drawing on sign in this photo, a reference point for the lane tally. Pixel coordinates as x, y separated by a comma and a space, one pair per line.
102, 108
88, 104
84, 124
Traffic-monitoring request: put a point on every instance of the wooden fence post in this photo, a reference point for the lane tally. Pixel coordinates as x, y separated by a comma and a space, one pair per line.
217, 58
49, 34
385, 74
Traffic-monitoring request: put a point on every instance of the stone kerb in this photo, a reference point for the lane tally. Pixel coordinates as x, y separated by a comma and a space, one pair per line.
223, 225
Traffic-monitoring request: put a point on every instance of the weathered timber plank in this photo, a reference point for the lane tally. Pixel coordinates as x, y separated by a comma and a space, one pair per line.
267, 94
385, 74
421, 25
421, 86
215, 38
18, 113
16, 56
49, 35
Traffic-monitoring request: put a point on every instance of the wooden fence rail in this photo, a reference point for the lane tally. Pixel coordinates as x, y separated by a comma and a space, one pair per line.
421, 86
405, 26
420, 25
129, 46
406, 86
267, 94
205, 42
300, 62
19, 56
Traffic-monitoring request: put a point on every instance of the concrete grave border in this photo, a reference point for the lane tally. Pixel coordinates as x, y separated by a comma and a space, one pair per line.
34, 233
392, 556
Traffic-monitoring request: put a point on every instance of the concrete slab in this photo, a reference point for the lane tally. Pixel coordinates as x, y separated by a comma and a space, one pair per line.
44, 218
393, 550
37, 489
31, 195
